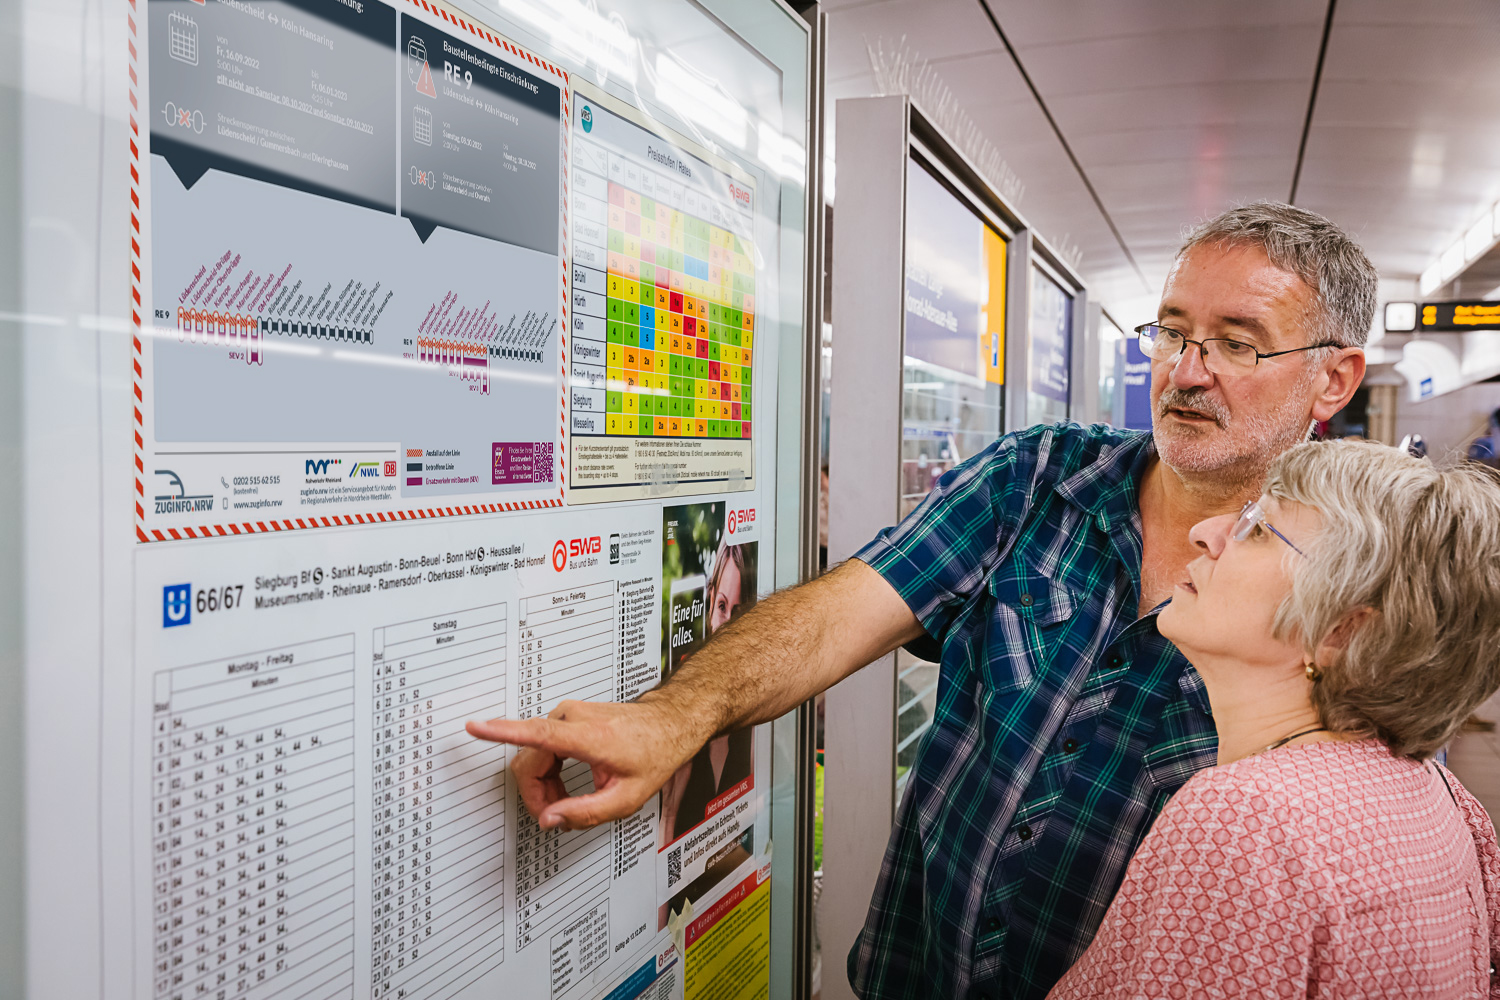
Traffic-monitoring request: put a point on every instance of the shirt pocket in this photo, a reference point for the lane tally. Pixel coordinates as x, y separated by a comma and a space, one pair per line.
1029, 619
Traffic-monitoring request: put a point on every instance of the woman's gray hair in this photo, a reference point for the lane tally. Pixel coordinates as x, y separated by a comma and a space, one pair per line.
1419, 548
1314, 249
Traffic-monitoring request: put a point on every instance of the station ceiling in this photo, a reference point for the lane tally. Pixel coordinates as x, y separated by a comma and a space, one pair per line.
1176, 109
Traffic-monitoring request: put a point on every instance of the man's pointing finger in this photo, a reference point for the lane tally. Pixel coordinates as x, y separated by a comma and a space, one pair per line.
544, 734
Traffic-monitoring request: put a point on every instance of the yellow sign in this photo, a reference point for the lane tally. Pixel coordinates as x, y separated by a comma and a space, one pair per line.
992, 309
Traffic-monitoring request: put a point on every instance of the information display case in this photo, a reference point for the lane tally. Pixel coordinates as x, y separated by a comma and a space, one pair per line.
415, 363
936, 353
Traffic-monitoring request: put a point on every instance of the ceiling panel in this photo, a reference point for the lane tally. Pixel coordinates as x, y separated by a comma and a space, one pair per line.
1177, 109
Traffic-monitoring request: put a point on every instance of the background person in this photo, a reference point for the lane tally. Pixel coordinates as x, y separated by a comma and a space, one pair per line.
1344, 628
1032, 573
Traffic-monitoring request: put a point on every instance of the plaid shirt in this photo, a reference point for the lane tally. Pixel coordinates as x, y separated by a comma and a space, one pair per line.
1063, 723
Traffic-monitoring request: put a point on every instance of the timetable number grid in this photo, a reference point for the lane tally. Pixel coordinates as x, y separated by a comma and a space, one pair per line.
439, 804
253, 825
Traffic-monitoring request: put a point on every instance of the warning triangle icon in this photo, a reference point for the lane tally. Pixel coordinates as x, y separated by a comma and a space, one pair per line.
424, 82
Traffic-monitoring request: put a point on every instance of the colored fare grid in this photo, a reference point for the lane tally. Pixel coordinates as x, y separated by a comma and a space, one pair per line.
680, 323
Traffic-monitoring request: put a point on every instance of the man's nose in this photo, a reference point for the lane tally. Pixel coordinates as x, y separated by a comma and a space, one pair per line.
1189, 370
1211, 533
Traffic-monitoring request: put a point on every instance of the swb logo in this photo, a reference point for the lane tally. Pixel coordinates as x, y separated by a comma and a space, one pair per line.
176, 605
562, 551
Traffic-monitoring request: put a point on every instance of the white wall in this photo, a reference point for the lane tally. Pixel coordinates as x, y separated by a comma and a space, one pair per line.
1448, 422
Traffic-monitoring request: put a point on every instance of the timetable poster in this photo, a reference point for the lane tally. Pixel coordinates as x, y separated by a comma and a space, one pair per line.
353, 288
314, 822
664, 306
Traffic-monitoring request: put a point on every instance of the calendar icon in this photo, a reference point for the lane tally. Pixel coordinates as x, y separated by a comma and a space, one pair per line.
421, 125
182, 38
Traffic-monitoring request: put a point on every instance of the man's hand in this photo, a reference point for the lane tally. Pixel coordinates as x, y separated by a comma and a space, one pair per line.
783, 651
633, 749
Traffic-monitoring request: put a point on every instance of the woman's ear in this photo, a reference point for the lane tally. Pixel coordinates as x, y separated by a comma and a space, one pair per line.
1339, 637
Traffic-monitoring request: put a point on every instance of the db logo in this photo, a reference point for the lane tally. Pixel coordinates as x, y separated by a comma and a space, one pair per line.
739, 518
560, 555
390, 468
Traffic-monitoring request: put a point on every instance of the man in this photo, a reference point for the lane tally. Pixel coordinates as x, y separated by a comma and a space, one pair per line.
1064, 720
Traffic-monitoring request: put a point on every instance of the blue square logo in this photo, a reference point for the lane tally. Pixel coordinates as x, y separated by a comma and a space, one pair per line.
176, 605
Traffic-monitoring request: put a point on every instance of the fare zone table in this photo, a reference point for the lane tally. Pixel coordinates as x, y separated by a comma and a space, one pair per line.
439, 819
673, 318
566, 650
253, 825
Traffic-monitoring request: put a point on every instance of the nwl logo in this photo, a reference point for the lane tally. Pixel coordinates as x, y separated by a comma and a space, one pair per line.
176, 605
319, 466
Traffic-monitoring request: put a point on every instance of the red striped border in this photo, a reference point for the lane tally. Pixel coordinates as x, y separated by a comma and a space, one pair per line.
294, 524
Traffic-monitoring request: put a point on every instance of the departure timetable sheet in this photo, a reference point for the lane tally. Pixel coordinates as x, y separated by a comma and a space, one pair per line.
388, 479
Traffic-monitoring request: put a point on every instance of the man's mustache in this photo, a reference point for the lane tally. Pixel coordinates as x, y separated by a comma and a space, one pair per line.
1194, 401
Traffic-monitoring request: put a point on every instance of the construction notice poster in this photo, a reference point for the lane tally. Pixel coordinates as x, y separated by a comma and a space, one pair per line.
354, 305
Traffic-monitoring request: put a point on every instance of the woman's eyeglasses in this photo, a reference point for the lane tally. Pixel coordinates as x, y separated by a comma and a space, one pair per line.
1250, 516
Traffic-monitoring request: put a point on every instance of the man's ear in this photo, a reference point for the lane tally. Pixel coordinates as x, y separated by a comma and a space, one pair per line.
1337, 640
1344, 372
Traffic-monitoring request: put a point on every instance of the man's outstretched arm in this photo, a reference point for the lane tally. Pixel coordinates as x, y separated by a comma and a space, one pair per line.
783, 651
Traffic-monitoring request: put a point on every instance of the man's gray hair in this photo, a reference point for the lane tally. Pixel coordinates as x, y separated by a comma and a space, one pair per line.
1317, 251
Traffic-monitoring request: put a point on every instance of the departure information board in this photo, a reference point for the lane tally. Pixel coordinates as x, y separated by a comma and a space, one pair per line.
428, 335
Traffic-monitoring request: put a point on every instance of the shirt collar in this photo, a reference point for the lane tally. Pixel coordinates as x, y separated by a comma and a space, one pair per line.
1110, 486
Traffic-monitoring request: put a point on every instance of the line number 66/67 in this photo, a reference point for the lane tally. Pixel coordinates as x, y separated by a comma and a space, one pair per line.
214, 598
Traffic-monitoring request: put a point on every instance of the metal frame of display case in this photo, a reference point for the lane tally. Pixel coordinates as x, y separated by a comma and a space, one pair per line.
877, 138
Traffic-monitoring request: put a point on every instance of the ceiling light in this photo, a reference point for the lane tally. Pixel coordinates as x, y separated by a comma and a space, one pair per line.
1431, 279
1452, 260
1477, 239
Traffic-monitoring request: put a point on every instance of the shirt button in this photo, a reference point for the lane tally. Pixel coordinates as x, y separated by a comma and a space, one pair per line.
1116, 660
1024, 832
1026, 600
1069, 746
993, 923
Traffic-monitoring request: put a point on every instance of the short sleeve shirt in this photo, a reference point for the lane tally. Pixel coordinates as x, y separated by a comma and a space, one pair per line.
1063, 722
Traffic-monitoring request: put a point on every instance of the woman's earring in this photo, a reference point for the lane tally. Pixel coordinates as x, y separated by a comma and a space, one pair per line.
1313, 673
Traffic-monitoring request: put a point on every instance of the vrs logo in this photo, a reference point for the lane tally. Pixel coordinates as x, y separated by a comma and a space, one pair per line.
176, 605
365, 469
319, 466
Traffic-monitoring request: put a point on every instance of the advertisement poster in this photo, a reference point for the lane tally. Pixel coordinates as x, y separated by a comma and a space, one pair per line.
354, 303
709, 578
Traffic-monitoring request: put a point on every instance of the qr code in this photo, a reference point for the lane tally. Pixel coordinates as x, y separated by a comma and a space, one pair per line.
542, 462
674, 867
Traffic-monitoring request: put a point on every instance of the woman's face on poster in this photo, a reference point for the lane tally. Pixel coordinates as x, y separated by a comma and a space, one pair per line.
726, 597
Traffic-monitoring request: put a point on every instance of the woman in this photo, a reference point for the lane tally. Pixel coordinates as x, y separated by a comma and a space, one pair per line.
1344, 625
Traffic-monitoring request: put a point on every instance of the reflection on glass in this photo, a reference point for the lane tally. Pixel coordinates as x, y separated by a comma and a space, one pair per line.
952, 382
1050, 350
1111, 360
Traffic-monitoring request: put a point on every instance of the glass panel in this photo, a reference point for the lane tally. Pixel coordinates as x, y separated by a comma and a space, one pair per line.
1111, 341
1050, 351
952, 381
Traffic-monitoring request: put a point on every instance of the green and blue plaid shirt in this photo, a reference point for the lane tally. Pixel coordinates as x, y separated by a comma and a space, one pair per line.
1063, 723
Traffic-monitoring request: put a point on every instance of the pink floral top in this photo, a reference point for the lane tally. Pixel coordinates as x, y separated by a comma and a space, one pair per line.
1328, 870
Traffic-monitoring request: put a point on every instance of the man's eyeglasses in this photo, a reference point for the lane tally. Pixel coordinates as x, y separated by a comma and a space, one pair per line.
1250, 516
1221, 355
